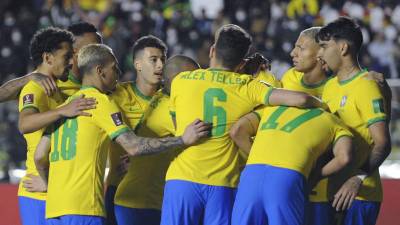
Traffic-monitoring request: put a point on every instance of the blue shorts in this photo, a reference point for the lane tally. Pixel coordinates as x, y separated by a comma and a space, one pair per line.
320, 213
32, 211
109, 204
362, 213
77, 220
188, 203
132, 216
270, 195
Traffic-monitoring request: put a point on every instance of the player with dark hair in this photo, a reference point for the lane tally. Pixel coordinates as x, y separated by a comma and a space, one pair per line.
79, 145
84, 33
361, 106
51, 52
201, 181
147, 173
149, 54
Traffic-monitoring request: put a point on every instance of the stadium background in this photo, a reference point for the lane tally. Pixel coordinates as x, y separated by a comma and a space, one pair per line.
188, 27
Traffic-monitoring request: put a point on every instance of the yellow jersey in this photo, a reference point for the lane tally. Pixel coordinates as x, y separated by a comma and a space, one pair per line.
220, 97
33, 96
70, 86
294, 80
133, 104
286, 137
269, 78
143, 185
78, 158
359, 103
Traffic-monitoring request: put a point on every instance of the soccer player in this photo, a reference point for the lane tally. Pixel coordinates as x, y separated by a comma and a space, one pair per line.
79, 145
361, 106
51, 52
201, 180
139, 195
272, 188
149, 54
84, 33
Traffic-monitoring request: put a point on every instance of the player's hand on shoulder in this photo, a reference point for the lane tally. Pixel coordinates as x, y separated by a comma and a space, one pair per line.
48, 84
195, 131
347, 193
373, 75
78, 106
35, 184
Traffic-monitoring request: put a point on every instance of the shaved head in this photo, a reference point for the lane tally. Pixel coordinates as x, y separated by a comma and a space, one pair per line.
175, 65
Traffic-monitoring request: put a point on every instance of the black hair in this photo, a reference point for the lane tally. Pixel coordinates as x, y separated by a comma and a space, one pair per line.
80, 28
232, 43
343, 28
47, 40
146, 42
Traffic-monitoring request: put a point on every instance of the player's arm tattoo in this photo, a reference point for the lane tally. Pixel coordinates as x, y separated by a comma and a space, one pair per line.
11, 89
382, 146
135, 145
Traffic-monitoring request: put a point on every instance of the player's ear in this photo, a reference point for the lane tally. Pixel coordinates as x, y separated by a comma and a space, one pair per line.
212, 51
99, 71
137, 64
344, 48
47, 58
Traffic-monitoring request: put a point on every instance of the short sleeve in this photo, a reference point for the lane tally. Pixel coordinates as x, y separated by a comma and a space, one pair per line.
268, 78
259, 111
340, 129
371, 106
33, 96
108, 116
258, 92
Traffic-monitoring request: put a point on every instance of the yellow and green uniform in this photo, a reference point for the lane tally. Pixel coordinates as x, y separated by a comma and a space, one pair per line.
220, 97
33, 96
70, 86
269, 78
143, 185
78, 157
359, 103
286, 137
133, 104
294, 80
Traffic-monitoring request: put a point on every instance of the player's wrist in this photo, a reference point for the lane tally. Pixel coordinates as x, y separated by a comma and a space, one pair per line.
362, 175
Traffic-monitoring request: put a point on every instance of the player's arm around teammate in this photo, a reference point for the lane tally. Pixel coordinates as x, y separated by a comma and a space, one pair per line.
11, 89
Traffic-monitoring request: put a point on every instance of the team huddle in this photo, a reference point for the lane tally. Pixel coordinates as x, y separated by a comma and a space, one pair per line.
229, 144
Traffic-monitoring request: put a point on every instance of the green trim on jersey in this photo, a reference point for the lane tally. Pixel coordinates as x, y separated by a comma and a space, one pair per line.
139, 93
119, 132
343, 82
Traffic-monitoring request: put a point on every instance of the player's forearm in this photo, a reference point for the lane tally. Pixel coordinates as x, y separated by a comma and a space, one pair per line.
11, 89
136, 146
335, 165
242, 139
294, 98
33, 122
378, 154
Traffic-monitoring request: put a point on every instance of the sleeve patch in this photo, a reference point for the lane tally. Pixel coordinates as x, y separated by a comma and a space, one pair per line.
378, 105
27, 99
117, 118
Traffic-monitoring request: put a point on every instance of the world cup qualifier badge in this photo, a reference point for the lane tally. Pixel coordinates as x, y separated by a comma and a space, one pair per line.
27, 99
343, 101
117, 118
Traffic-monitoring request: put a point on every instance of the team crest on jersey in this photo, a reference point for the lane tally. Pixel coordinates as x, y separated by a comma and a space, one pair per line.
117, 118
27, 99
343, 101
